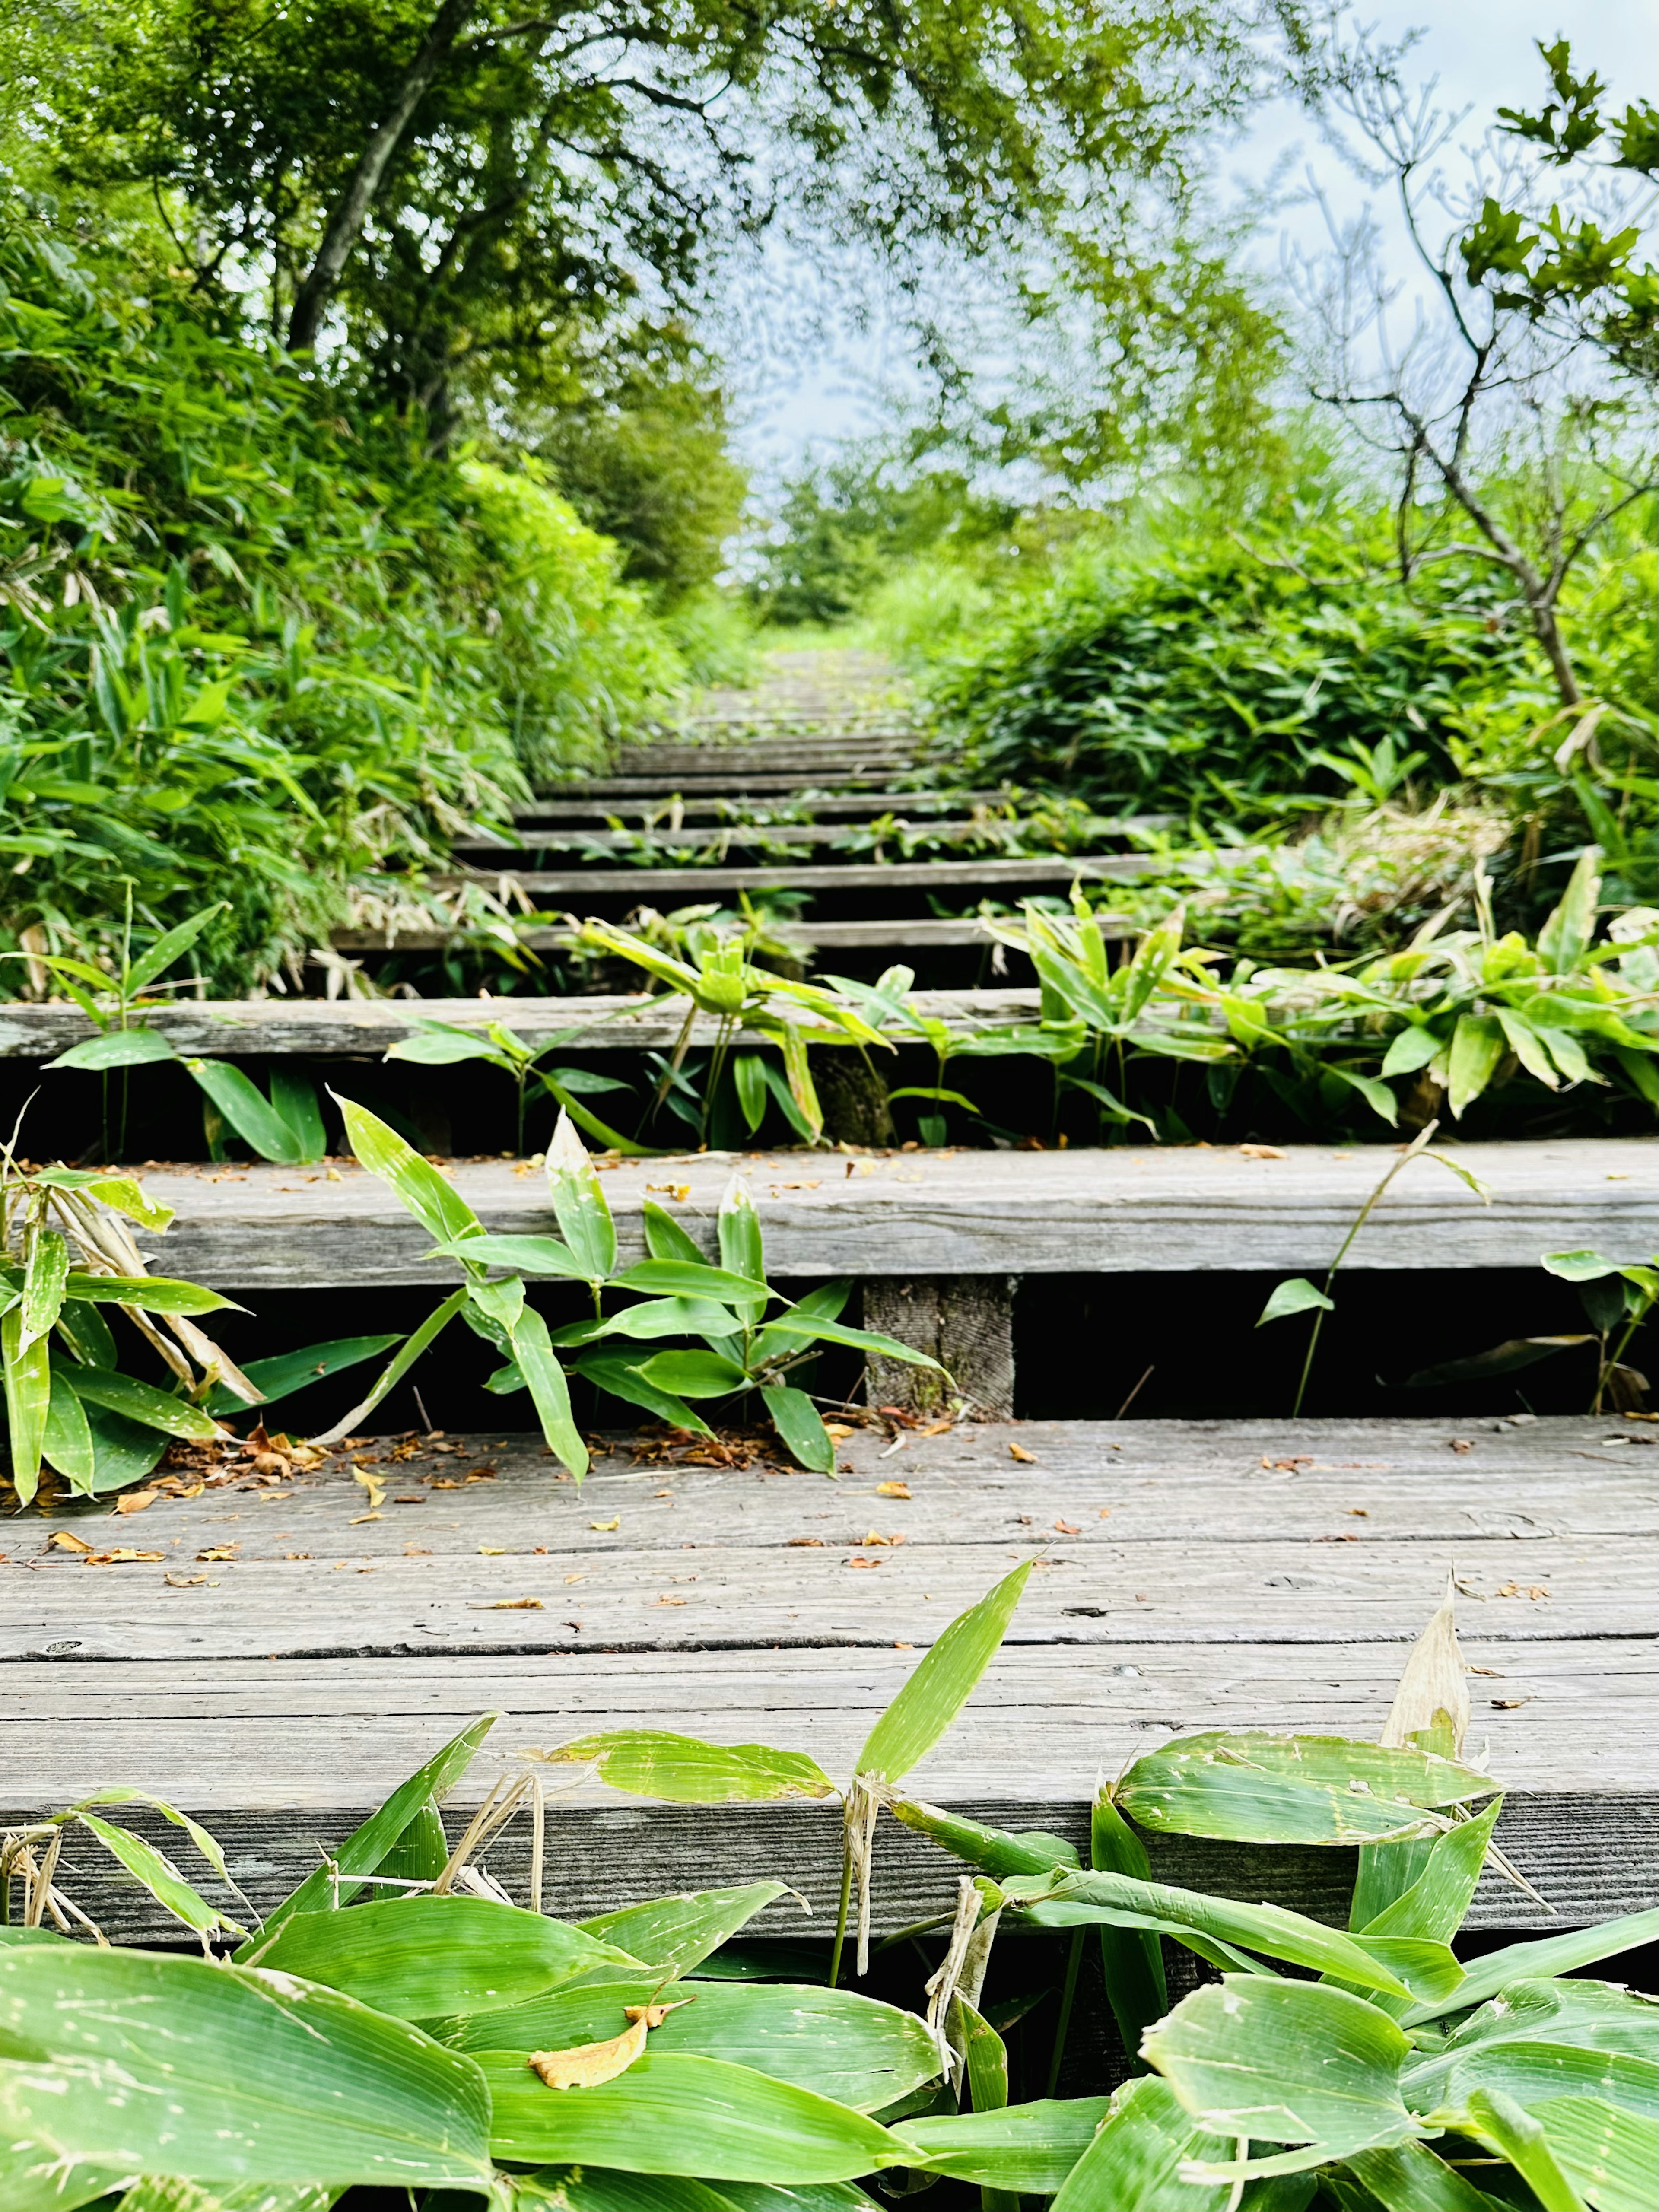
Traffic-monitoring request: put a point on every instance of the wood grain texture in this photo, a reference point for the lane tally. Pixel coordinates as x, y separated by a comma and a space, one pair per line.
971, 1213
964, 1322
901, 936
333, 1029
966, 876
1198, 1576
849, 805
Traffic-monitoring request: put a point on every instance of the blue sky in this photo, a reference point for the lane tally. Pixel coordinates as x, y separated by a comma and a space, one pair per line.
1480, 50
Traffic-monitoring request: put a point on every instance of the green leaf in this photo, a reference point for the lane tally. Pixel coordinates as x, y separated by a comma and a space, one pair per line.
1132, 1959
28, 1399
1565, 936
654, 1318
749, 1079
251, 1115
851, 2048
525, 1255
653, 1763
142, 1403
1590, 2015
123, 1451
943, 1683
1506, 1358
1434, 1905
1253, 1787
1533, 2073
177, 2065
693, 1374
166, 2193
1137, 2157
742, 1250
294, 1095
603, 2189
44, 1282
436, 1044
167, 948
1409, 1050
1551, 1954
398, 1366
367, 1846
87, 1334
682, 1931
612, 1140
1029, 2147
1297, 1296
116, 1048
1287, 2063
1611, 2157
204, 1841
666, 1240
152, 1293
287, 1371
537, 1361
578, 1201
122, 1193
1583, 1267
1407, 2177
675, 2114
1477, 1046
435, 1203
66, 1439
1377, 1095
159, 1875
1497, 2120
416, 1956
613, 1373
796, 1419
689, 1278
813, 1329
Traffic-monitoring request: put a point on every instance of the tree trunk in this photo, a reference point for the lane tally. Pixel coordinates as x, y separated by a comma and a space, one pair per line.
346, 225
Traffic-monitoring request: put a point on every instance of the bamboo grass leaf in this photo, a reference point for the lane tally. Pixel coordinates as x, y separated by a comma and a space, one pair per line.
798, 1425
1612, 2157
158, 1875
250, 1114
142, 1403
289, 1371
28, 1380
682, 1931
1137, 2157
578, 1201
655, 1763
66, 1438
538, 1362
665, 1239
1551, 1954
396, 1367
1132, 1959
1297, 1296
1250, 1787
434, 1201
946, 1678
45, 1283
117, 1049
1029, 2147
1497, 2120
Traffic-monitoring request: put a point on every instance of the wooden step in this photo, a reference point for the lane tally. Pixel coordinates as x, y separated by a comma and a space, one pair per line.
849, 805
923, 935
804, 835
931, 1214
770, 785
296, 1652
654, 885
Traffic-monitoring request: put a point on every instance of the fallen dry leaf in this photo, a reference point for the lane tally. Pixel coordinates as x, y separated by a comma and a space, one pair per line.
904, 1647
493, 1551
1262, 1152
1521, 1589
864, 1563
121, 1552
1462, 1443
512, 1605
604, 1526
374, 1483
1431, 1693
671, 1601
575, 1578
1067, 1527
67, 1542
839, 1430
588, 2064
680, 1191
219, 1551
183, 1582
1019, 1452
135, 1501
798, 1542
892, 1490
1508, 1705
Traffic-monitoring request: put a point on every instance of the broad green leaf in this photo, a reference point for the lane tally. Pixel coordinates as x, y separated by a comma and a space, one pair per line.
1528, 1048
116, 1048
1028, 2147
1583, 1267
1137, 2157
1253, 1787
123, 1451
417, 1956
502, 1302
87, 1334
688, 1279
578, 1201
287, 1371
213, 2072
613, 1373
681, 1931
943, 1683
66, 1440
851, 2048
1611, 2157
293, 1094
1407, 2177
1551, 1954
436, 1044
998, 1853
1435, 1905
1506, 1358
665, 1239
1477, 1046
435, 1203
152, 1293
45, 1282
1533, 2073
1498, 2121
1297, 1296
985, 2058
743, 1251
204, 1839
1410, 1050
612, 1140
1377, 1095
1286, 2063
653, 1763
398, 1366
1269, 1930
1592, 2016
797, 1421
675, 2114
248, 1111
1565, 936
28, 1399
368, 1846
603, 2189
157, 2193
142, 1403
122, 1193
693, 1374
421, 1852
813, 1329
167, 948
537, 1361
653, 1318
160, 1877
1132, 1959
525, 1255
749, 1079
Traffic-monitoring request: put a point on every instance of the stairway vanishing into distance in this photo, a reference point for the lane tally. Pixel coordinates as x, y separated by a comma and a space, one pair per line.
818, 797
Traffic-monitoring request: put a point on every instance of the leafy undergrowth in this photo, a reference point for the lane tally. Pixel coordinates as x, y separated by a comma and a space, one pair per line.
397, 2021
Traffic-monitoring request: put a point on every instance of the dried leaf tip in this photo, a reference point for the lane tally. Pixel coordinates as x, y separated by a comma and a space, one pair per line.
1430, 1708
567, 1153
587, 2064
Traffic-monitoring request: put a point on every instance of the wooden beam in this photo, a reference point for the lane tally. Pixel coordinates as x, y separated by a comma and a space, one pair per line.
1133, 1209
855, 806
296, 1651
810, 936
964, 1322
656, 885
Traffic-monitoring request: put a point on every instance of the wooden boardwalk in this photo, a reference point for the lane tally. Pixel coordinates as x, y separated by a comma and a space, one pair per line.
298, 1646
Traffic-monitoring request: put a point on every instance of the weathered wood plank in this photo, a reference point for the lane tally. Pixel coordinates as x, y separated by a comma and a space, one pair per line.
913, 936
330, 1028
657, 883
966, 1323
496, 852
975, 1213
851, 805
